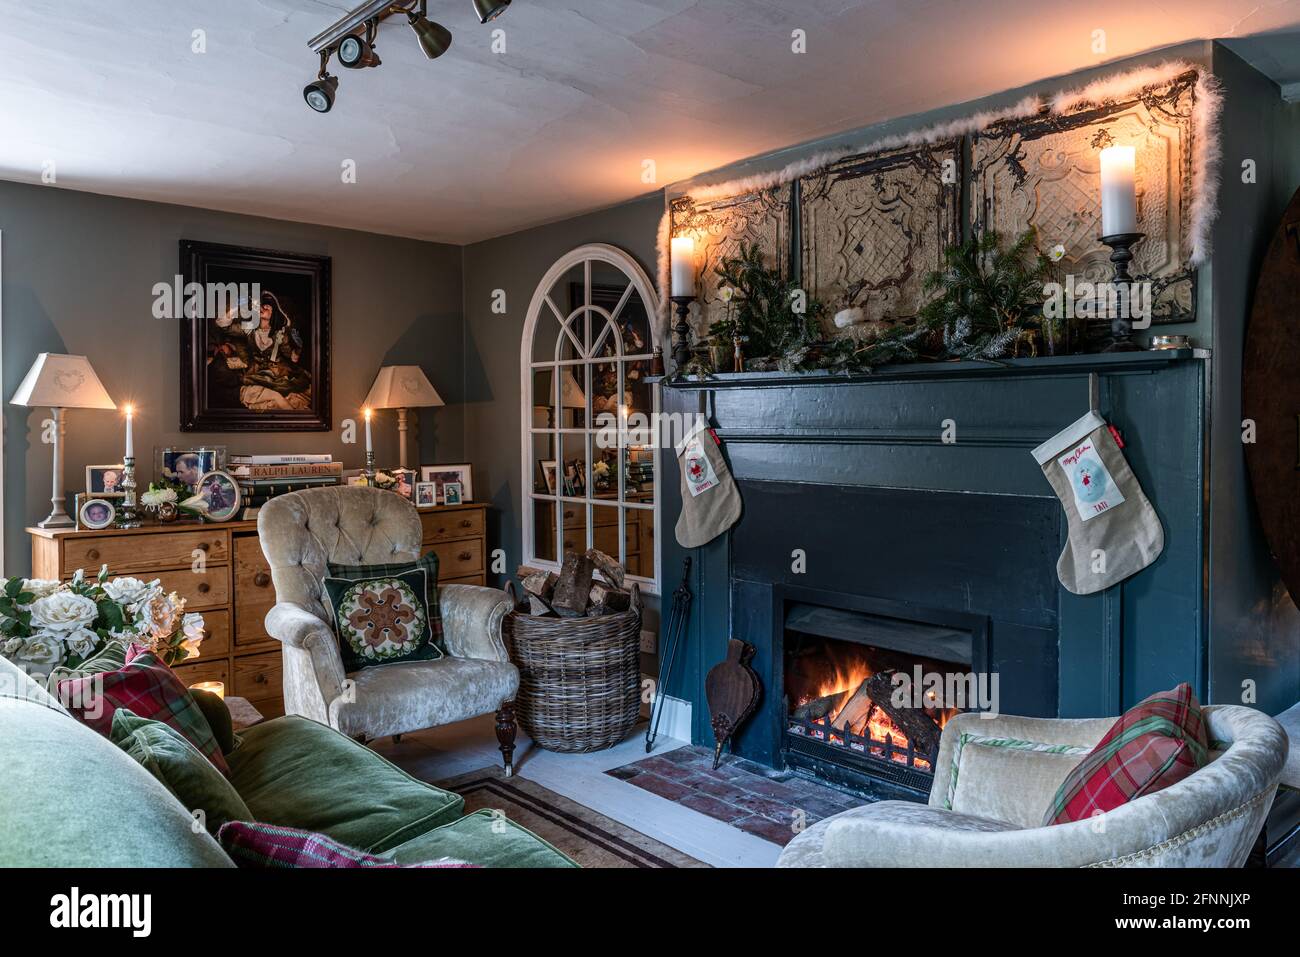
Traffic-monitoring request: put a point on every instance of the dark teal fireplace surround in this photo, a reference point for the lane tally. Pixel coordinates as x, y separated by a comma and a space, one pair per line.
855, 472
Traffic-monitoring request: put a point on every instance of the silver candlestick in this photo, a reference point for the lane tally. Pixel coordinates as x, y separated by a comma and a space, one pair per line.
370, 468
127, 517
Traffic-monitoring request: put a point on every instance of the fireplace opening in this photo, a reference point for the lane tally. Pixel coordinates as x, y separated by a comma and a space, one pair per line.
866, 695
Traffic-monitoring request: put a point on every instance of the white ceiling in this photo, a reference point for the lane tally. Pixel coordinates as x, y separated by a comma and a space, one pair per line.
478, 143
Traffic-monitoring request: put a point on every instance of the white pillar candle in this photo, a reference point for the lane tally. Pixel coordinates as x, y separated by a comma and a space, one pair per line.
130, 433
1118, 190
683, 263
369, 446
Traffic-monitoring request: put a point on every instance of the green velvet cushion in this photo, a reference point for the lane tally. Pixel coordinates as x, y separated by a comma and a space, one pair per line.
428, 563
109, 658
181, 767
214, 709
384, 620
70, 798
479, 839
297, 773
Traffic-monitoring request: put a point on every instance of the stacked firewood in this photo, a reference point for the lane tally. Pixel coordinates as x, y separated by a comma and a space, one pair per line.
577, 592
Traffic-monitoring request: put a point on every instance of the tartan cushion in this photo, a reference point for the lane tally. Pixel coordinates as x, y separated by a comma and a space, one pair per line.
382, 620
150, 689
1156, 743
429, 563
257, 845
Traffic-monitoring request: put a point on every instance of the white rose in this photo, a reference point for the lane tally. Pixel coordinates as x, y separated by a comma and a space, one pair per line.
11, 646
63, 611
40, 652
39, 588
131, 591
81, 642
193, 626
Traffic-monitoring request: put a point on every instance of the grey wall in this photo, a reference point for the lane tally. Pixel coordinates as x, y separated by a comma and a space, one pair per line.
516, 264
1254, 628
79, 271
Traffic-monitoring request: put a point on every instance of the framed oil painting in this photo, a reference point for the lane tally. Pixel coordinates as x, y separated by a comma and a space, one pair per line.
255, 351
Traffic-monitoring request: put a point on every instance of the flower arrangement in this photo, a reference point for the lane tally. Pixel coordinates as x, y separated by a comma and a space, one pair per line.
169, 498
49, 624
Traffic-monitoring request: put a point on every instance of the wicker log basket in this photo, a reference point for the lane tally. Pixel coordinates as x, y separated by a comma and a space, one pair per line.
579, 678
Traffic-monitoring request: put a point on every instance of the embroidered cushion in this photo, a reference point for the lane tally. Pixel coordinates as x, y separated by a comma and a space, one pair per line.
165, 754
429, 563
382, 620
1156, 743
149, 689
255, 845
981, 764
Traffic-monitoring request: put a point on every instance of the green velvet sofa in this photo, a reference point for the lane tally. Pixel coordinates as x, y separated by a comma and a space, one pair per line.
71, 798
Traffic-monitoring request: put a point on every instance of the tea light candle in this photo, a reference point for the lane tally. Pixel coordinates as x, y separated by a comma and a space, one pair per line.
369, 446
1118, 190
130, 432
217, 688
683, 266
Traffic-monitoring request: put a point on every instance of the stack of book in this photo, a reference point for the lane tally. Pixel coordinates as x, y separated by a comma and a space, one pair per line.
263, 477
640, 470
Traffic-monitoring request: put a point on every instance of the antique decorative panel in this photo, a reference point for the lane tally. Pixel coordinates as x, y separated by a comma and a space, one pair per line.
1044, 171
761, 217
874, 225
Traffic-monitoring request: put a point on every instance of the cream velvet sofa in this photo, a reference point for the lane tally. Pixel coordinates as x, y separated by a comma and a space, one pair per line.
1209, 819
304, 531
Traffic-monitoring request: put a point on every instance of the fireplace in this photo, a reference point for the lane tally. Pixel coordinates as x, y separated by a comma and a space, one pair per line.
869, 685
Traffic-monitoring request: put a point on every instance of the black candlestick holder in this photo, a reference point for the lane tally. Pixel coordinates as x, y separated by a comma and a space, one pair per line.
681, 333
1121, 324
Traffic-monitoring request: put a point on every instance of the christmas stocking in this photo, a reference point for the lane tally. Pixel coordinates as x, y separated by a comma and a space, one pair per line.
710, 499
1114, 531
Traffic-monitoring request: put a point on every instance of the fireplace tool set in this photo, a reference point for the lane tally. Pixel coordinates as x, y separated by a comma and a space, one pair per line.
668, 653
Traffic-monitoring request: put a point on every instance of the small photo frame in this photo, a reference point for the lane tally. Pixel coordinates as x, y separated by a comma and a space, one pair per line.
104, 481
188, 466
221, 492
452, 494
426, 494
440, 475
549, 469
96, 513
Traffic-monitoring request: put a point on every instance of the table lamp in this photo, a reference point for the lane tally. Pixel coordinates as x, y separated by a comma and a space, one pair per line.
61, 382
402, 388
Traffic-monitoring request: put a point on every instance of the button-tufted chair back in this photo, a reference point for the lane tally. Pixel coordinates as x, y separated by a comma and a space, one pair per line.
349, 525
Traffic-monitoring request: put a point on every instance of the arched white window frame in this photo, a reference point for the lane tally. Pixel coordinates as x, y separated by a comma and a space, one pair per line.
541, 303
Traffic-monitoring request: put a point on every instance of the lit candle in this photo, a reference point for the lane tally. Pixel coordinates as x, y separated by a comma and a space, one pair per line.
217, 688
683, 266
130, 432
369, 447
1118, 190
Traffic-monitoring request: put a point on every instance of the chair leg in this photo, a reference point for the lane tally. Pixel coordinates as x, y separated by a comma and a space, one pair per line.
397, 739
506, 734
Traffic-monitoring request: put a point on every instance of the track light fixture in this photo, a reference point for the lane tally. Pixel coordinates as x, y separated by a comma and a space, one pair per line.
352, 39
320, 93
435, 39
357, 52
489, 10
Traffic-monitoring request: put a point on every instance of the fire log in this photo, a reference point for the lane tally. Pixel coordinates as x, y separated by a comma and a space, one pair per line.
541, 584
920, 728
573, 589
818, 707
612, 570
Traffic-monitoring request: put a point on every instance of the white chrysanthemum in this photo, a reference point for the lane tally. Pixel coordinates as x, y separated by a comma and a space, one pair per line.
1057, 253
158, 496
63, 611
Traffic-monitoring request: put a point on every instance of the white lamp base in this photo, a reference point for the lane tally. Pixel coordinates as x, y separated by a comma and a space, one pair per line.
58, 517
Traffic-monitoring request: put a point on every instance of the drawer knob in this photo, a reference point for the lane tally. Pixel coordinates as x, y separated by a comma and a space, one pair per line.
440, 531
261, 579
93, 554
465, 556
260, 678
204, 547
568, 513
204, 588
467, 524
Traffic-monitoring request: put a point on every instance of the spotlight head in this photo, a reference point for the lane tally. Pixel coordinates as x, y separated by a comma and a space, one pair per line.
320, 94
435, 39
488, 10
356, 52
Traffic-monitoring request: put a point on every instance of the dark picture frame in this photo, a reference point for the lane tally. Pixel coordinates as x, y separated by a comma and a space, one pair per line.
217, 374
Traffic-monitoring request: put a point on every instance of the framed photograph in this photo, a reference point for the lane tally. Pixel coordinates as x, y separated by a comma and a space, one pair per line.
255, 353
96, 513
221, 493
426, 495
440, 475
187, 466
399, 480
104, 481
451, 493
575, 477
549, 468
360, 480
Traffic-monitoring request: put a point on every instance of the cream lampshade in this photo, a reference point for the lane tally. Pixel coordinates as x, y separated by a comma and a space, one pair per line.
402, 388
61, 382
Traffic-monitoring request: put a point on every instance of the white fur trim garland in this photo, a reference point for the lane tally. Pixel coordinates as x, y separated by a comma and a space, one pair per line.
1206, 155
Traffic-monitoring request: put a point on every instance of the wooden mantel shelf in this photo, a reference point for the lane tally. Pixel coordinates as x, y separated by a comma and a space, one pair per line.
1101, 363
